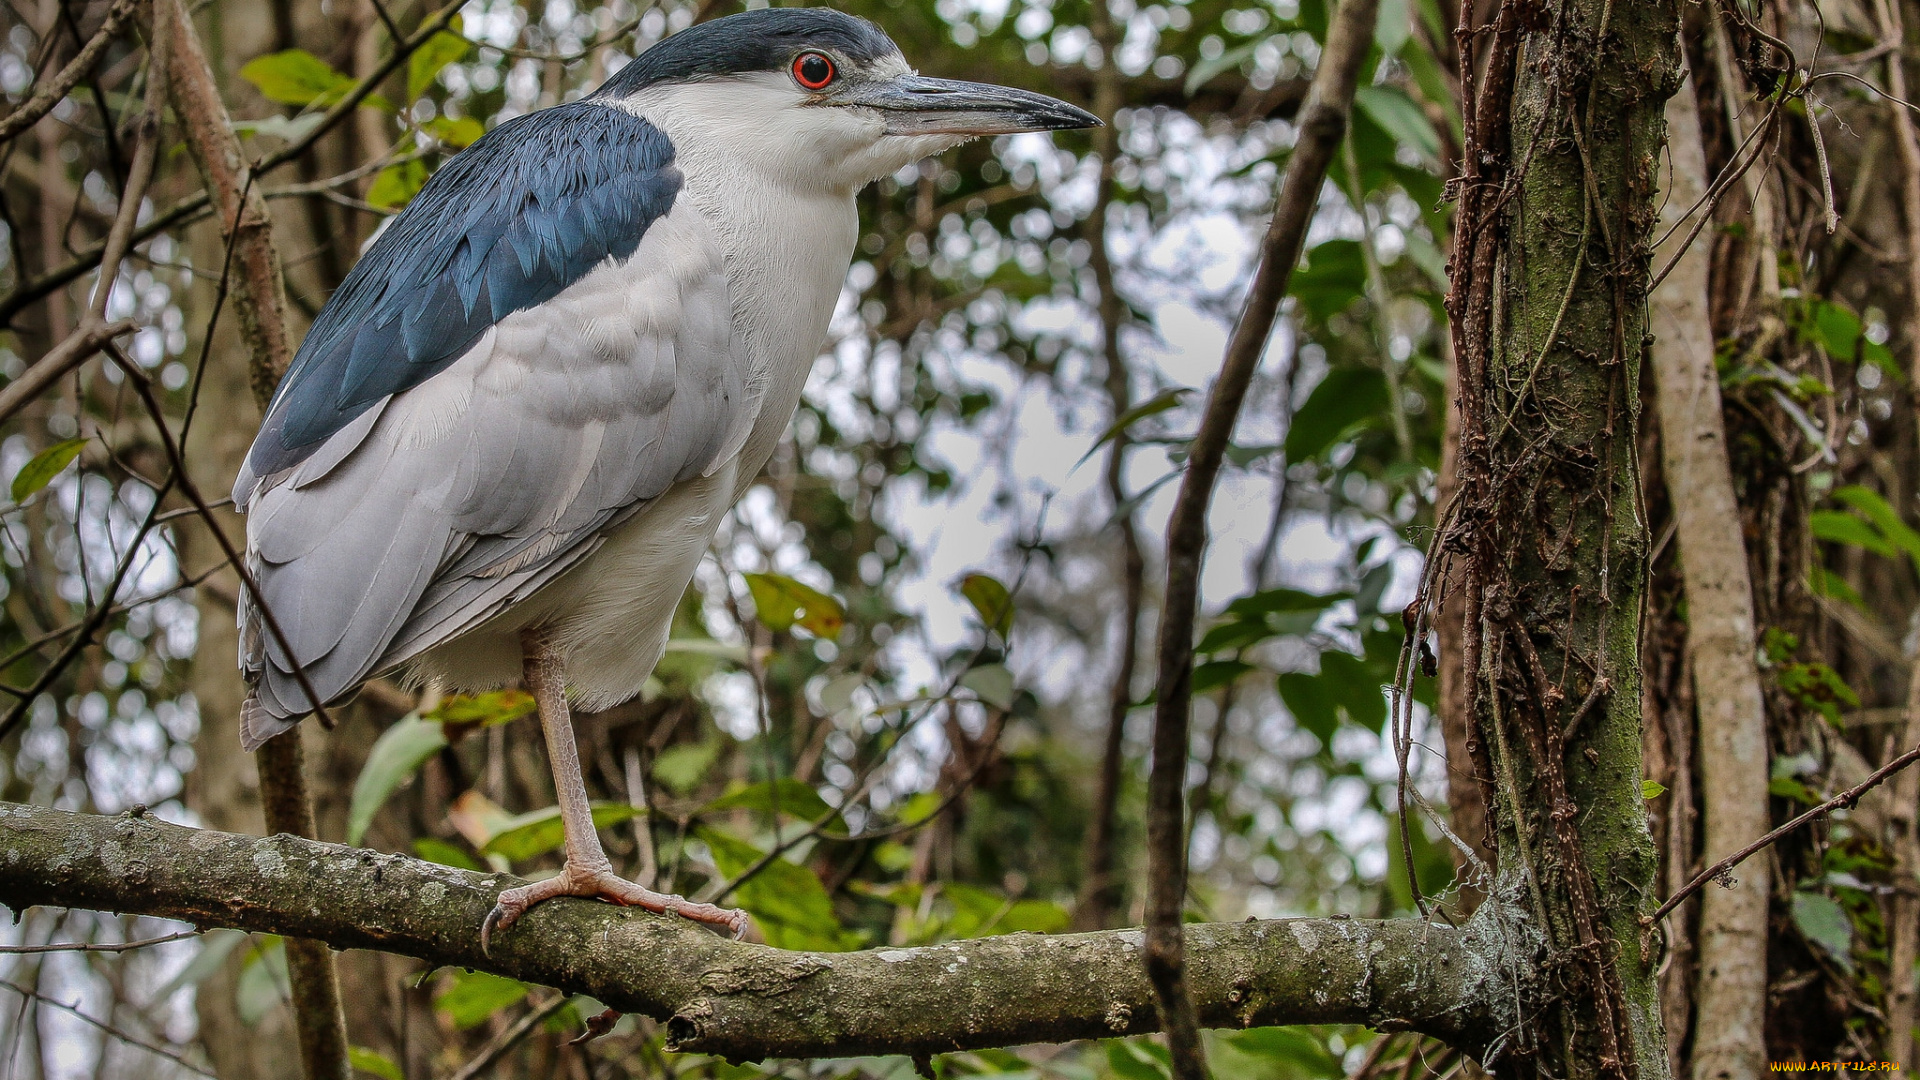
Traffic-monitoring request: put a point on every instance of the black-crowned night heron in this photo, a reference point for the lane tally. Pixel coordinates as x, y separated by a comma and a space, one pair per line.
514, 429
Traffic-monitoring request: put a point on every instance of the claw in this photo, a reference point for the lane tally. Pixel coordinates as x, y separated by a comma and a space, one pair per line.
497, 919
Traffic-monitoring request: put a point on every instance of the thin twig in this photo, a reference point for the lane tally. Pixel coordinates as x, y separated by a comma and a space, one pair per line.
1842, 801
177, 461
101, 947
57, 88
130, 1040
500, 1045
77, 349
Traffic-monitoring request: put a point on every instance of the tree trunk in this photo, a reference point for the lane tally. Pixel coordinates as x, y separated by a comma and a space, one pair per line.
1732, 1004
1549, 304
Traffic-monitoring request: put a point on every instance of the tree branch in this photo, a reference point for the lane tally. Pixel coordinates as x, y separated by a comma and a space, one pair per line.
1322, 124
743, 1001
43, 101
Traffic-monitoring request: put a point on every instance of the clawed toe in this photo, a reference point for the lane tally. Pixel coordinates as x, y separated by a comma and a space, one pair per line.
605, 885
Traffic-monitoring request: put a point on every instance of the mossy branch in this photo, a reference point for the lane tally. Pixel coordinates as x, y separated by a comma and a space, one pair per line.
744, 1001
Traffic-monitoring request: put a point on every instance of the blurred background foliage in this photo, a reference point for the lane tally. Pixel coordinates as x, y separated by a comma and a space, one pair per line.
883, 715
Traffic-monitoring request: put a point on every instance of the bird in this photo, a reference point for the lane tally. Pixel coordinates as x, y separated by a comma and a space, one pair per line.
512, 432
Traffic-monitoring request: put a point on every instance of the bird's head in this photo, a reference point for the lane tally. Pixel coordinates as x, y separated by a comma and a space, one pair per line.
817, 96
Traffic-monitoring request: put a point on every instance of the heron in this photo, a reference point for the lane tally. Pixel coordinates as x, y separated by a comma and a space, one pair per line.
512, 432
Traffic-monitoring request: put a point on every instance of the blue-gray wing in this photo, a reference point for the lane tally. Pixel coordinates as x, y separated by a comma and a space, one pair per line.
443, 503
506, 224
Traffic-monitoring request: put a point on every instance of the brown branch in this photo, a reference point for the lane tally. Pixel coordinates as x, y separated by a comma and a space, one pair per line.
1842, 801
744, 1001
1322, 126
102, 947
78, 347
58, 87
499, 1046
319, 1019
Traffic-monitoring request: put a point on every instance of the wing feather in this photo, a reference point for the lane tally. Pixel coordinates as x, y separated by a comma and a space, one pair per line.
468, 492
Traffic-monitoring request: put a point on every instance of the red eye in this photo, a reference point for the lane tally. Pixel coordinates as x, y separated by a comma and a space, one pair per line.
812, 70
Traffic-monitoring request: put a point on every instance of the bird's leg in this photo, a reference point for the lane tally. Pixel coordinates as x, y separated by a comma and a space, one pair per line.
588, 872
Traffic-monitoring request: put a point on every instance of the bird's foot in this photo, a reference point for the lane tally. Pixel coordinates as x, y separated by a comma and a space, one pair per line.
605, 884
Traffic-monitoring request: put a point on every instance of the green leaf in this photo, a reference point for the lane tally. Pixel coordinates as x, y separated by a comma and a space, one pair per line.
990, 601
540, 831
435, 850
1313, 707
396, 185
439, 50
456, 132
46, 465
796, 798
919, 808
719, 650
476, 995
1206, 71
1153, 406
373, 1063
1843, 528
1825, 923
681, 768
781, 603
280, 127
1334, 277
1786, 787
1884, 518
1217, 673
263, 981
395, 755
1356, 687
1346, 398
1269, 601
487, 709
297, 77
788, 902
1652, 789
1131, 1059
1400, 117
992, 683
1393, 26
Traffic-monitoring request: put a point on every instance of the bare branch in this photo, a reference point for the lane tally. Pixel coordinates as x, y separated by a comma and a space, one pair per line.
56, 88
1842, 801
746, 1001
77, 349
95, 946
1322, 126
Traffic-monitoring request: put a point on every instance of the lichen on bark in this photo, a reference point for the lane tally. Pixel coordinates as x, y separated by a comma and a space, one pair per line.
1550, 289
743, 1001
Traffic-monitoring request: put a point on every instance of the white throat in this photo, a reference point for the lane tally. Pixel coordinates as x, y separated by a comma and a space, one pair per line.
776, 180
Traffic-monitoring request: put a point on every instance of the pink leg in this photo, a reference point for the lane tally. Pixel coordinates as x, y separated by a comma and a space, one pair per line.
588, 872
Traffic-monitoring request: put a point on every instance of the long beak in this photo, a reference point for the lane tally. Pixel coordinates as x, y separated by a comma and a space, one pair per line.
915, 105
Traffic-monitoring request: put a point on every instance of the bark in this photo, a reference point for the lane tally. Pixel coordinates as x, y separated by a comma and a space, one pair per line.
744, 1001
1904, 933
1550, 283
261, 305
1732, 991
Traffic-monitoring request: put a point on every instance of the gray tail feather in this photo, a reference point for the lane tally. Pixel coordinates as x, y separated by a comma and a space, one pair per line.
258, 724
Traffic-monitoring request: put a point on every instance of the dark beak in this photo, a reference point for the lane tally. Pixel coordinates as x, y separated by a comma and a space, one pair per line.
915, 105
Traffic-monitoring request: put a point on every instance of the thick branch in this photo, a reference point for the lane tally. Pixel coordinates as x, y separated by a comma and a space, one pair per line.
748, 1001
